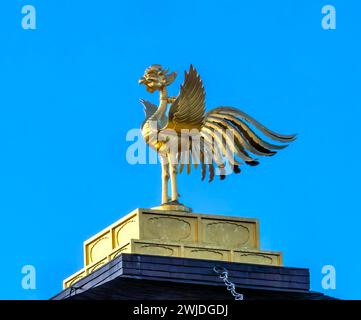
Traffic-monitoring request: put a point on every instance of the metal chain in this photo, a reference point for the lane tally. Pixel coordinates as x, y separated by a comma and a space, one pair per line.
72, 290
223, 275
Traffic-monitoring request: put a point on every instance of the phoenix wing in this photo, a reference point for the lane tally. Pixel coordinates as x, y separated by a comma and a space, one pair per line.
188, 110
149, 110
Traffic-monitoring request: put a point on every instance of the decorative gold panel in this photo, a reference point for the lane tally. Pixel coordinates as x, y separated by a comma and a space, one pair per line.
208, 254
125, 231
224, 233
168, 227
155, 249
97, 265
230, 234
99, 248
267, 258
125, 249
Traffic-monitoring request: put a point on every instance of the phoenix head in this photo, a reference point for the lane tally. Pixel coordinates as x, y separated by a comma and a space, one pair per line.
156, 77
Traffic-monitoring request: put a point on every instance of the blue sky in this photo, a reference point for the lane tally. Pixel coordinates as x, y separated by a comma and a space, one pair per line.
69, 94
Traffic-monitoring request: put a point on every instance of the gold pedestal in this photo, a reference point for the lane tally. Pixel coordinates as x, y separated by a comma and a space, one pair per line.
173, 206
177, 234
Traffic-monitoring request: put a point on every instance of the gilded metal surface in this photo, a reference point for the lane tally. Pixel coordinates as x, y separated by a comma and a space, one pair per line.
177, 234
187, 135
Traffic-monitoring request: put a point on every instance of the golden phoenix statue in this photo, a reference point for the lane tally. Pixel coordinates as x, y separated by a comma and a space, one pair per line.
187, 134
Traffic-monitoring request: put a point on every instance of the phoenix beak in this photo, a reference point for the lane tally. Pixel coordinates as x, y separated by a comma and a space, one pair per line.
142, 80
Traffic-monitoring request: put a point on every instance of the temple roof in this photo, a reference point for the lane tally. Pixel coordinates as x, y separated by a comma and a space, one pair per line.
148, 277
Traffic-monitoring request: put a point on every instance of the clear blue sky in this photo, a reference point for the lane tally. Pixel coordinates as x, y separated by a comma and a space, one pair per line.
69, 94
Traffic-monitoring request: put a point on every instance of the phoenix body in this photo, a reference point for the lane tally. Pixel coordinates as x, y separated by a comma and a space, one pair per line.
187, 134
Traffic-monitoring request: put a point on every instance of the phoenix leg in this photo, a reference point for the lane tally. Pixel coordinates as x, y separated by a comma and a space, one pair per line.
165, 178
173, 177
